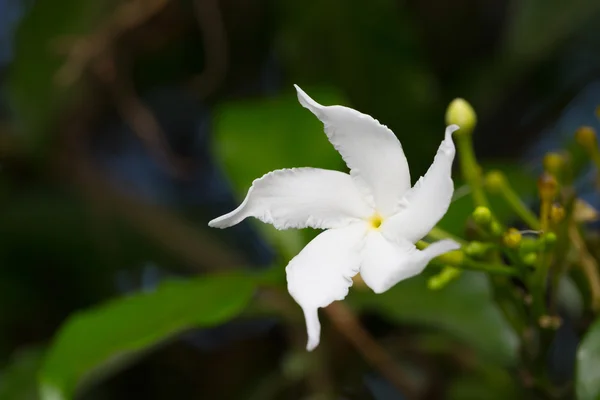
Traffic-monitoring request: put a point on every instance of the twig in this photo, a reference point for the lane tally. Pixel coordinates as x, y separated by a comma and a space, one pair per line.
348, 325
588, 264
214, 39
141, 120
81, 51
184, 241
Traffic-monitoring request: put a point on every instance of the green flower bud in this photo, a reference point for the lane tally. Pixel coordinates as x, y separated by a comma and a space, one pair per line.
482, 216
529, 259
461, 113
495, 181
512, 238
442, 279
528, 245
455, 257
496, 228
476, 249
550, 238
586, 138
553, 163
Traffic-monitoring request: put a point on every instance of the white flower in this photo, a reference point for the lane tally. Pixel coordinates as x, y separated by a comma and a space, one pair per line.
372, 216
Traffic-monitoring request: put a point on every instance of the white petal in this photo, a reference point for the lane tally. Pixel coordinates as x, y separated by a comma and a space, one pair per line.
427, 202
371, 151
386, 263
300, 198
323, 271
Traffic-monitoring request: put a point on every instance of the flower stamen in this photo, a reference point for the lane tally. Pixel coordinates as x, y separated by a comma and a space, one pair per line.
375, 221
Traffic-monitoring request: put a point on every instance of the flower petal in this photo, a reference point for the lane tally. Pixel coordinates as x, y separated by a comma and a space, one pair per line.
300, 198
386, 263
371, 151
323, 271
427, 202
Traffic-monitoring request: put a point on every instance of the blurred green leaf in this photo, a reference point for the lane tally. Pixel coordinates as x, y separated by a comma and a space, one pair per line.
465, 309
487, 382
34, 96
258, 136
96, 342
587, 379
18, 379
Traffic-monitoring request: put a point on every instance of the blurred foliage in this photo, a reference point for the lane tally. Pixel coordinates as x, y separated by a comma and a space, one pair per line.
16, 381
75, 249
36, 98
588, 365
100, 341
465, 309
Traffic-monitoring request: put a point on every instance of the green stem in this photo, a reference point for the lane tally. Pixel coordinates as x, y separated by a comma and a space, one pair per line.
440, 234
491, 268
471, 170
459, 260
519, 207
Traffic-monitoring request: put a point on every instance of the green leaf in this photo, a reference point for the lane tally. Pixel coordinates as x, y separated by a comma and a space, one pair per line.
34, 96
96, 342
258, 136
465, 309
587, 378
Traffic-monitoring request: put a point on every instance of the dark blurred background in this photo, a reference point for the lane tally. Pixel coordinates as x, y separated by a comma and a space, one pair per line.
127, 125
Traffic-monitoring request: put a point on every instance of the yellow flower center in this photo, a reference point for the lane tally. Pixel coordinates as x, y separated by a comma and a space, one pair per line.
375, 221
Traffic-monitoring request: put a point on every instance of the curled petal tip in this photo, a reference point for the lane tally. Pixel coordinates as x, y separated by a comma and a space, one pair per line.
312, 344
214, 223
306, 100
447, 245
224, 221
313, 328
450, 129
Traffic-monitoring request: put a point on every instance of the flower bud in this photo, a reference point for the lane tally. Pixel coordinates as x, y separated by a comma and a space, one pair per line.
455, 257
547, 187
528, 245
529, 259
550, 239
442, 279
586, 137
512, 238
495, 181
482, 216
553, 163
495, 228
476, 249
461, 113
557, 213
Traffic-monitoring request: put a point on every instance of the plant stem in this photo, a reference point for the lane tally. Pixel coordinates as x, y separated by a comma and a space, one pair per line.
471, 171
458, 259
588, 264
439, 234
519, 207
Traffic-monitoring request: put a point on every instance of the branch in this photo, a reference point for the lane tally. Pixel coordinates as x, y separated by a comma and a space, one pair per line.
348, 325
